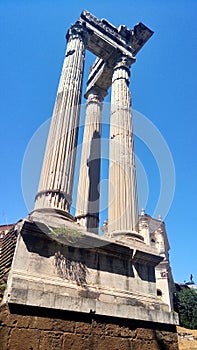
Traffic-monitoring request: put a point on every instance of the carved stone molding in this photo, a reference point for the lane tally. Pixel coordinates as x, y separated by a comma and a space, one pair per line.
123, 61
95, 96
77, 30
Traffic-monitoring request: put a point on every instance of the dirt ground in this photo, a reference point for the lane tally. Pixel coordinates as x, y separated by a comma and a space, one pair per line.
187, 338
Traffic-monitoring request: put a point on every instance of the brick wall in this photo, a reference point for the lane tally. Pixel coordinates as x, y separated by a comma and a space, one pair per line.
7, 247
30, 328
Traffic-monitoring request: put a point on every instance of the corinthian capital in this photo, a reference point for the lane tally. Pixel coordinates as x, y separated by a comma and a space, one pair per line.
77, 30
95, 95
123, 61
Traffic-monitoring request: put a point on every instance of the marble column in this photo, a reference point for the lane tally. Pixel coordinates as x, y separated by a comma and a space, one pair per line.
56, 180
122, 208
87, 207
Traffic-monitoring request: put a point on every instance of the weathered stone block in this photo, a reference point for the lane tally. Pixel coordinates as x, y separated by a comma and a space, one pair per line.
132, 333
125, 332
51, 341
25, 339
6, 318
153, 345
166, 336
139, 344
98, 328
112, 330
13, 320
118, 298
75, 342
167, 339
83, 328
145, 334
63, 325
112, 343
174, 346
42, 323
4, 337
22, 321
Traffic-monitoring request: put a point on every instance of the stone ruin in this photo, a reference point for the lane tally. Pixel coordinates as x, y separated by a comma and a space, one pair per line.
60, 263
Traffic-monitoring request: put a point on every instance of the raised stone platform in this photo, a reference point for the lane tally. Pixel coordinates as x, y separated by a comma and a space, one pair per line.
70, 269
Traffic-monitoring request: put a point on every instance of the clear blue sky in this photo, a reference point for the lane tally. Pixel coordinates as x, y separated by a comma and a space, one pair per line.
163, 87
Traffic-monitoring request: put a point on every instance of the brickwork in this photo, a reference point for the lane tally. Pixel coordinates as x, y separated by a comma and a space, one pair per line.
7, 247
44, 329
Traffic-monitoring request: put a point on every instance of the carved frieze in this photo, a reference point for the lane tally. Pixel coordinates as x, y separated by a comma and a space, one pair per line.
77, 30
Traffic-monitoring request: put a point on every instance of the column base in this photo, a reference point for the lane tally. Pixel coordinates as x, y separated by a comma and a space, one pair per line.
51, 216
126, 235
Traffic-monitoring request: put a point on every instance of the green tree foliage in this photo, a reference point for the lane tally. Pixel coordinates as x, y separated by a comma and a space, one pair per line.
187, 308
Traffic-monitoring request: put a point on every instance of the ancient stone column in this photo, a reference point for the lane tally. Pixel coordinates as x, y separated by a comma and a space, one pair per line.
87, 207
122, 209
56, 181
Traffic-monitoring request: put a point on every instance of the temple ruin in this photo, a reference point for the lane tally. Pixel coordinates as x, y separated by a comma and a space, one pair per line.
104, 290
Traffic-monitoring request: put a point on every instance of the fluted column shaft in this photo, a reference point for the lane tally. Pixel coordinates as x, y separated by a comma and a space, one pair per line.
87, 207
122, 208
56, 181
